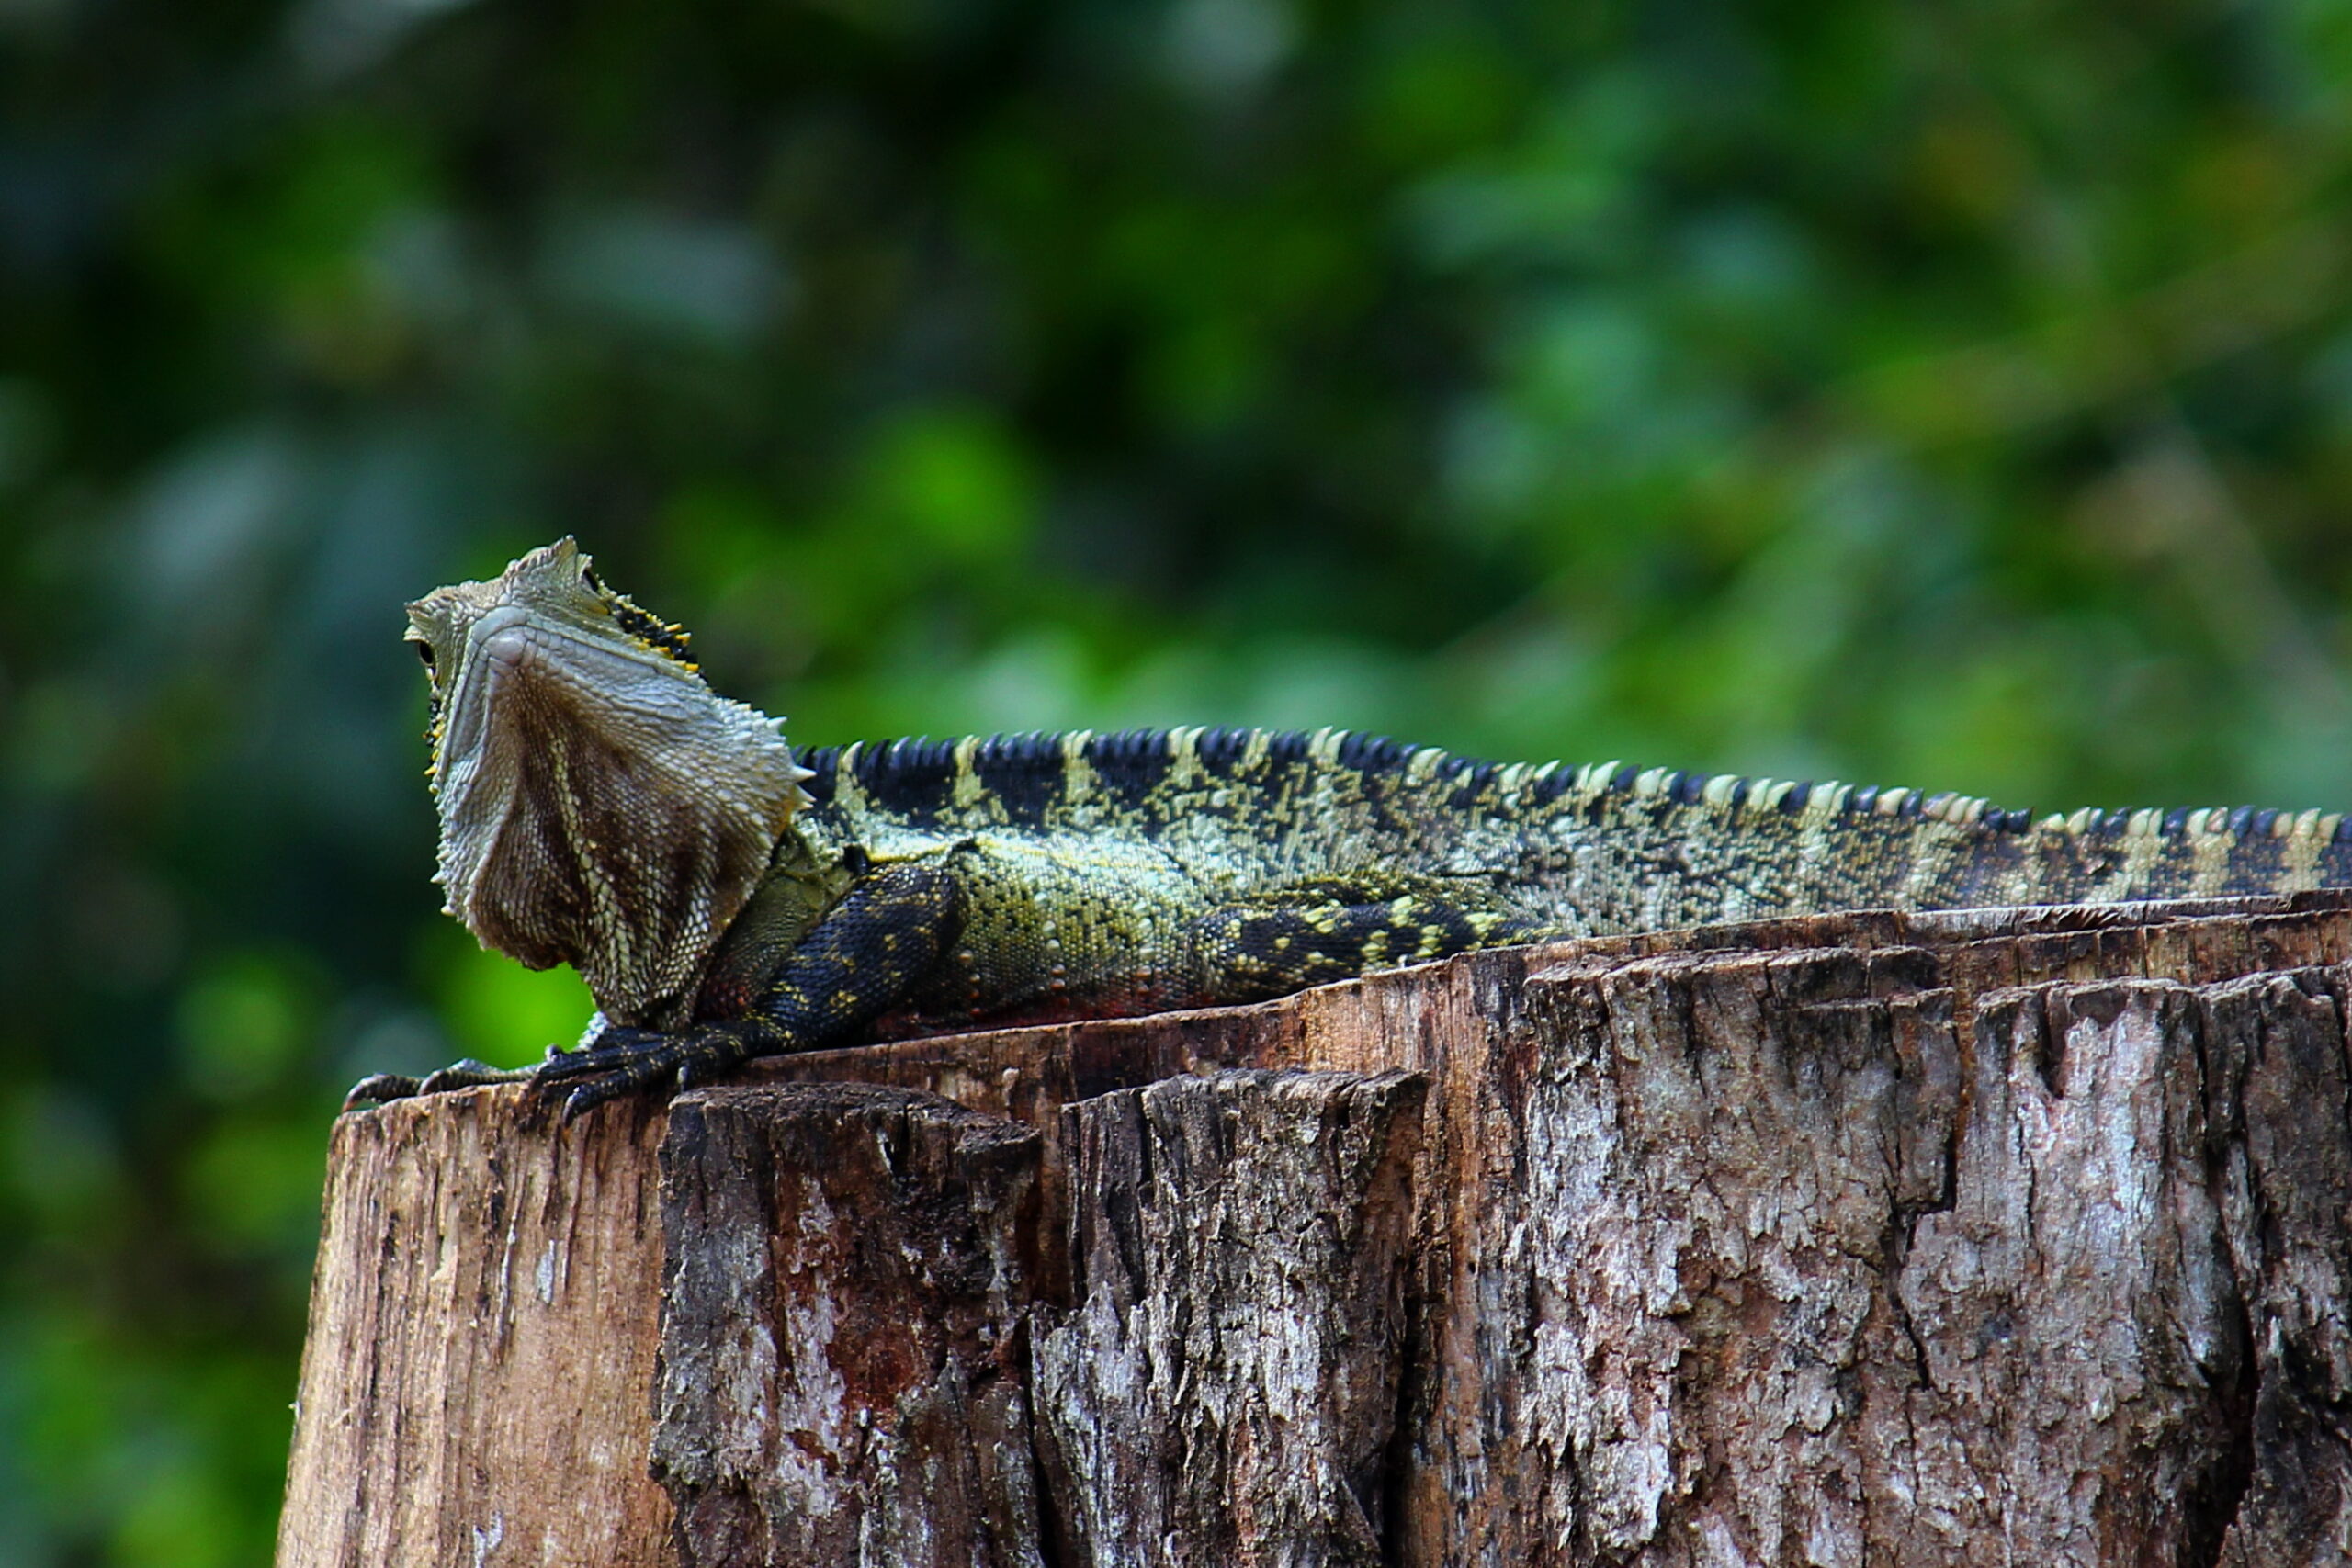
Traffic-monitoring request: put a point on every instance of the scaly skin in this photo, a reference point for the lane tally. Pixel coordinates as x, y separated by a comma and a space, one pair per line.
726, 899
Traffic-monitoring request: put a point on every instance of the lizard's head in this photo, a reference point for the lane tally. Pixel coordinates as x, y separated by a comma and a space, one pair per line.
599, 805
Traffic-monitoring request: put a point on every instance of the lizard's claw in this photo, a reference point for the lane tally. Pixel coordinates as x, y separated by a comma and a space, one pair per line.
380, 1087
626, 1060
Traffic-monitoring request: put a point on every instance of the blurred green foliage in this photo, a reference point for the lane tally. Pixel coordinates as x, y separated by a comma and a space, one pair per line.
1958, 396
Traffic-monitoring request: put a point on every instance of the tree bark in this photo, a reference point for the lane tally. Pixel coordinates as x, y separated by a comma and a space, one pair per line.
1224, 1392
483, 1326
843, 1347
1997, 1237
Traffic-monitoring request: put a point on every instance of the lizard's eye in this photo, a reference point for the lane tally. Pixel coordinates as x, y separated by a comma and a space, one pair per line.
590, 580
424, 652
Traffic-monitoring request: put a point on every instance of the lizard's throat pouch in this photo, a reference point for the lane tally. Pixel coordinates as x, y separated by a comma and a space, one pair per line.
617, 826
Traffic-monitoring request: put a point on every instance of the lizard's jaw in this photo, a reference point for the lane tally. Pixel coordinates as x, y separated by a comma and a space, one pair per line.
601, 806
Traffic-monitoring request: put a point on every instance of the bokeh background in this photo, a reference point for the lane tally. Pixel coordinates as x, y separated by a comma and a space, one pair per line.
1956, 396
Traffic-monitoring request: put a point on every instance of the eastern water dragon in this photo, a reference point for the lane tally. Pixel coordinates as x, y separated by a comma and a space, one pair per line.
726, 896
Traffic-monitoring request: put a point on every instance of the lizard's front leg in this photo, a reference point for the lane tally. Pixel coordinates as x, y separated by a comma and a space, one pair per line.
868, 955
863, 958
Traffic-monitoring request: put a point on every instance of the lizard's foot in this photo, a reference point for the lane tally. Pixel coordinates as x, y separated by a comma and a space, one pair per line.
625, 1060
379, 1087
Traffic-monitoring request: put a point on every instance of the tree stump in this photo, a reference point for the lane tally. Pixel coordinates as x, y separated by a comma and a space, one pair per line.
1990, 1236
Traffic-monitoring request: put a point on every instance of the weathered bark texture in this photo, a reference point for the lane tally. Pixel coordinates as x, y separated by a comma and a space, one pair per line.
1996, 1237
1224, 1390
481, 1344
844, 1346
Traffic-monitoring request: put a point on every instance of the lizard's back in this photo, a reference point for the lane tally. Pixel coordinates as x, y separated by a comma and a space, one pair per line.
1233, 814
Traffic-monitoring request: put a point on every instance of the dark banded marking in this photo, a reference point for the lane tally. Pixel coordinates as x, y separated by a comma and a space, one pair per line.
1221, 749
1372, 753
1025, 776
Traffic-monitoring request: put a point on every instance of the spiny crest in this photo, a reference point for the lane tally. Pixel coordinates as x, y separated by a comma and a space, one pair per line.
919, 772
662, 636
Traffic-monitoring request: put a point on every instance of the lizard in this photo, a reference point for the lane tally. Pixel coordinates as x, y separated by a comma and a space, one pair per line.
726, 896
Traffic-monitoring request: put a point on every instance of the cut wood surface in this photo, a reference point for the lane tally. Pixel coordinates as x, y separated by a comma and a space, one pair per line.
1995, 1237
